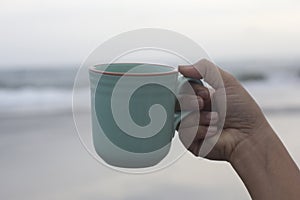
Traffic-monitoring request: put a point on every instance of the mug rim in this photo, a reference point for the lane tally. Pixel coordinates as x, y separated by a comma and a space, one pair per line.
93, 69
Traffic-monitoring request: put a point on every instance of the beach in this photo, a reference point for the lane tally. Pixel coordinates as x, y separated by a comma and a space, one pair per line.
42, 158
47, 48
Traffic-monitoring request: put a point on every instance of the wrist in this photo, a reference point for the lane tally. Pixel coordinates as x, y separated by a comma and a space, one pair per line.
251, 160
255, 148
266, 168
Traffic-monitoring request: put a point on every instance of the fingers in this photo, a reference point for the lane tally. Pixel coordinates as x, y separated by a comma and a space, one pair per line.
192, 130
196, 119
207, 70
195, 134
194, 88
187, 100
202, 101
189, 103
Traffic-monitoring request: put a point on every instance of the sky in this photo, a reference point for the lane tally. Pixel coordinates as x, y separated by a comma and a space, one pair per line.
64, 32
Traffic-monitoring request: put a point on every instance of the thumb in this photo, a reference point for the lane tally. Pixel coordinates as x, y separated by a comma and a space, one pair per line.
207, 70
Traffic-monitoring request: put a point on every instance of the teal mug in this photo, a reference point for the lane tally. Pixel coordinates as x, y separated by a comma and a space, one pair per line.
133, 112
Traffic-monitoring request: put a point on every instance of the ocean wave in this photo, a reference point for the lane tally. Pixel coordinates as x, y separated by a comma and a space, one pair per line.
273, 97
64, 78
38, 78
29, 100
50, 90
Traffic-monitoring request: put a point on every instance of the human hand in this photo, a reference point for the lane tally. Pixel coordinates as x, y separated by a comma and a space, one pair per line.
243, 119
246, 140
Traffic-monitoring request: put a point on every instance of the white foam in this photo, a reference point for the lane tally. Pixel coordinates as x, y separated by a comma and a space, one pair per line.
34, 100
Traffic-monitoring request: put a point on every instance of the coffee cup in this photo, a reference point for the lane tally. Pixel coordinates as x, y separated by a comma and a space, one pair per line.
133, 112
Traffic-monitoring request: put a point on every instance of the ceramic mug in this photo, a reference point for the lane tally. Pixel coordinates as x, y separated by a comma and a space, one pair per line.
133, 115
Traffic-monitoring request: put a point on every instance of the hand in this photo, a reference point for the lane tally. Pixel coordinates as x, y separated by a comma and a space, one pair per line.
243, 119
246, 140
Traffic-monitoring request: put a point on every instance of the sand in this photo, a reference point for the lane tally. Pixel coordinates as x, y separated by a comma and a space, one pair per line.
42, 158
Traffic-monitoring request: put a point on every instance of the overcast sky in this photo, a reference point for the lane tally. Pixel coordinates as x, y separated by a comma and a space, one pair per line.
61, 32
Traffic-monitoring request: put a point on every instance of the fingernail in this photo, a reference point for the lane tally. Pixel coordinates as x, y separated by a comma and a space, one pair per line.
212, 116
185, 67
212, 131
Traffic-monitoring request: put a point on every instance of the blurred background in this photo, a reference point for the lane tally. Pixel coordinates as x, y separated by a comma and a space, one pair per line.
42, 46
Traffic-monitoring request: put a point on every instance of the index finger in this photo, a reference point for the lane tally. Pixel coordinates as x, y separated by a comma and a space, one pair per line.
207, 70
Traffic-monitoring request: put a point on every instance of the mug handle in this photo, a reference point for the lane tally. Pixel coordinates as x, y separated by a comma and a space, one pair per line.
178, 116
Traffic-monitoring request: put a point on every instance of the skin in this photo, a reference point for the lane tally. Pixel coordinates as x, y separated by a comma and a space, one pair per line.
246, 141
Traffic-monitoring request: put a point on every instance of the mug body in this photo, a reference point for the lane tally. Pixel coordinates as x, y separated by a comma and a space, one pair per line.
132, 112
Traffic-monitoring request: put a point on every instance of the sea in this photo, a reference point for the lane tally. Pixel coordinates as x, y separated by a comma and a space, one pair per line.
274, 85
